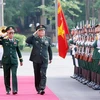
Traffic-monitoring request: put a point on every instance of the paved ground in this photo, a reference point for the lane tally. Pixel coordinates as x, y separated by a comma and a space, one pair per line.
59, 80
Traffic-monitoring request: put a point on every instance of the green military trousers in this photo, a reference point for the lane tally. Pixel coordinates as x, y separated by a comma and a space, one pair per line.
8, 68
96, 67
40, 75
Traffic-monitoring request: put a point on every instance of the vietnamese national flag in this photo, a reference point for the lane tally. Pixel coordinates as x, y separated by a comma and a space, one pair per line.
62, 31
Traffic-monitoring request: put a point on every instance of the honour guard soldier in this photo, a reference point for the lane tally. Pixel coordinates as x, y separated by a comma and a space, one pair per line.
96, 63
72, 46
86, 53
88, 56
39, 57
90, 60
81, 62
78, 57
9, 60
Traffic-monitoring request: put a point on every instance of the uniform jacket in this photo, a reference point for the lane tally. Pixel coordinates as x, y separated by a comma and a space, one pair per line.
11, 50
96, 54
41, 49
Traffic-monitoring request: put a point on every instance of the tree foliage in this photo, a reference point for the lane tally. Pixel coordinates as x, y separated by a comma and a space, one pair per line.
15, 10
21, 13
70, 8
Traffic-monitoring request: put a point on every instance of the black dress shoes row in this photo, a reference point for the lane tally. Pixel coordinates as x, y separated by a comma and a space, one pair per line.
91, 84
14, 92
82, 80
41, 92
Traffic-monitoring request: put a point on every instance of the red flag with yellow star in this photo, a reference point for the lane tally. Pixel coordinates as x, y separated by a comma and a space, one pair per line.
62, 31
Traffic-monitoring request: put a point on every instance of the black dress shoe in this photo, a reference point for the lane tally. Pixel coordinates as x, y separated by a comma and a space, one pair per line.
74, 76
96, 87
8, 92
14, 92
85, 82
78, 78
93, 84
81, 79
41, 92
90, 84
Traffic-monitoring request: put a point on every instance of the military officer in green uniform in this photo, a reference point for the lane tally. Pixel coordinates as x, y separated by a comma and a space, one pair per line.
9, 60
96, 64
39, 56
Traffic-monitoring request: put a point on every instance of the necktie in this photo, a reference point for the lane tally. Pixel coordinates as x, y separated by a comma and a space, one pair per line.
11, 40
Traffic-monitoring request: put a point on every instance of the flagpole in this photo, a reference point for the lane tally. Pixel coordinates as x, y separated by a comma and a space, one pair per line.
56, 20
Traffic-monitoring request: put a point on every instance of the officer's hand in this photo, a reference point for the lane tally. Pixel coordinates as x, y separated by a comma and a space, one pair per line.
50, 61
35, 32
99, 63
21, 63
4, 35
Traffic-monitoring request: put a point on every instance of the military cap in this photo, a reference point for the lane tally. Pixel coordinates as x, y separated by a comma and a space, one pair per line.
97, 28
40, 27
10, 29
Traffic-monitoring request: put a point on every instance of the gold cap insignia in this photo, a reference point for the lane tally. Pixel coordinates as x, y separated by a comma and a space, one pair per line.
11, 28
41, 26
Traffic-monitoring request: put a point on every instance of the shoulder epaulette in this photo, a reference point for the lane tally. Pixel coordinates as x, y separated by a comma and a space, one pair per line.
16, 39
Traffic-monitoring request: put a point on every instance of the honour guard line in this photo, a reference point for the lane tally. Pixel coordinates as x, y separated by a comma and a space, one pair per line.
85, 51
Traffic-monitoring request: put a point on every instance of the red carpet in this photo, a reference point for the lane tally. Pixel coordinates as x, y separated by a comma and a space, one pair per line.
26, 91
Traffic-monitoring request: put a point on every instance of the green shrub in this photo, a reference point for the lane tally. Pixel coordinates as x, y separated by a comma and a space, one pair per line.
21, 39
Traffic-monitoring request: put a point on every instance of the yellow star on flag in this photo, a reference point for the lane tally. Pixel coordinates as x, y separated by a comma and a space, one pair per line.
59, 9
61, 30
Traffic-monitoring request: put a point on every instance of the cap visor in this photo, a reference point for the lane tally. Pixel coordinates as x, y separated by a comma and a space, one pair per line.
11, 31
41, 28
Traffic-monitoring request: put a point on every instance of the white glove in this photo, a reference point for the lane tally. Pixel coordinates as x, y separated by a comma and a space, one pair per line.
99, 51
35, 32
5, 34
